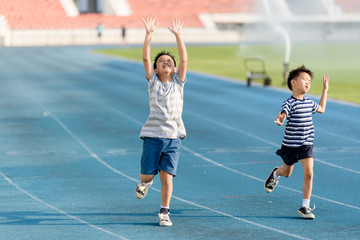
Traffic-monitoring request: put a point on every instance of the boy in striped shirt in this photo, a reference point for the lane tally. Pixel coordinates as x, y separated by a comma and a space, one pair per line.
164, 129
298, 139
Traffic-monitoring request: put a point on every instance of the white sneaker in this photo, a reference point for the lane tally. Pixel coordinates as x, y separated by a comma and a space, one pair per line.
164, 220
305, 212
142, 189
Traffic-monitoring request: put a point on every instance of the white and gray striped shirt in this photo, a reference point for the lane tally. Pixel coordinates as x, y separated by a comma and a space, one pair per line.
299, 128
166, 105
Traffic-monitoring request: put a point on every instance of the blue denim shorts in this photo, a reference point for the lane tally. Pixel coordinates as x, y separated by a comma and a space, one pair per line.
160, 154
291, 155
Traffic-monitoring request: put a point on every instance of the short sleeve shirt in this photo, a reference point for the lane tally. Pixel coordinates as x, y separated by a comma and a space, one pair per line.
299, 128
166, 106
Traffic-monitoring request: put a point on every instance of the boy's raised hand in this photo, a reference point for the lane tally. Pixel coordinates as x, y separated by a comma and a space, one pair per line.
279, 120
326, 81
176, 26
149, 22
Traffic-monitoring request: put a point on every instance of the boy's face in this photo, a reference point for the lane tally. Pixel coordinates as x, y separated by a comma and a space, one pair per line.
165, 64
301, 83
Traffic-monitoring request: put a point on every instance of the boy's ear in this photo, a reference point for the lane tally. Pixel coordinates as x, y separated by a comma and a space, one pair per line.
292, 82
156, 70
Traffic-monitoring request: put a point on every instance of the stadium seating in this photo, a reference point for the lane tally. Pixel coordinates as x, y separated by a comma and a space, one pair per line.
26, 22
49, 14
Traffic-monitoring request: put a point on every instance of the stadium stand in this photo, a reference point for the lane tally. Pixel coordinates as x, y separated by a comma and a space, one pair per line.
40, 15
50, 14
50, 22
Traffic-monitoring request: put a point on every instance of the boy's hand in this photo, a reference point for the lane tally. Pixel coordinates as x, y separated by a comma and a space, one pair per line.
176, 26
150, 23
279, 120
326, 81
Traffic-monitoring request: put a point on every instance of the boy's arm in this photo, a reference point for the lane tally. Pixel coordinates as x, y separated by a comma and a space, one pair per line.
280, 119
176, 30
149, 28
323, 99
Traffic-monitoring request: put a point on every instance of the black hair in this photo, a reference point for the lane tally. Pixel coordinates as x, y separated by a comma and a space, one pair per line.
163, 52
295, 73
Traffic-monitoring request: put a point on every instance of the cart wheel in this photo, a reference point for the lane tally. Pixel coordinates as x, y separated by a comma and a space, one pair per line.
249, 81
267, 81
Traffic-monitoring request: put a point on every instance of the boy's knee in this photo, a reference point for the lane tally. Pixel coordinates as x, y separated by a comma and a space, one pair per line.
287, 174
146, 178
308, 175
165, 177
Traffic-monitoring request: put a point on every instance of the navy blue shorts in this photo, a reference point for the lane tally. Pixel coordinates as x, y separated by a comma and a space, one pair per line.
160, 154
291, 155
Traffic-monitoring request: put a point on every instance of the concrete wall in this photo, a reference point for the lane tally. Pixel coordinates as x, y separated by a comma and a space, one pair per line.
113, 36
248, 33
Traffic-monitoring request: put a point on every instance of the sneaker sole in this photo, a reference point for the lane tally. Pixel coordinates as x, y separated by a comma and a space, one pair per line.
309, 216
165, 224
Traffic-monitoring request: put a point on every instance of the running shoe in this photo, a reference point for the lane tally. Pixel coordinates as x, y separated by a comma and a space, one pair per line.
270, 182
164, 219
142, 189
305, 212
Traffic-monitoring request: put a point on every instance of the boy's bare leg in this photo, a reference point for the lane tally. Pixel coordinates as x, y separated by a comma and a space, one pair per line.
166, 188
285, 170
146, 178
276, 173
142, 187
308, 165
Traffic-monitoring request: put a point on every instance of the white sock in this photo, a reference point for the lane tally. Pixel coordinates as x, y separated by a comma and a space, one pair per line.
276, 177
161, 206
306, 203
145, 183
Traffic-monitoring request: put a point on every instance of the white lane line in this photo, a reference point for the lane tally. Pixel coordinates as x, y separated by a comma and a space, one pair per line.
241, 219
261, 180
57, 209
264, 140
340, 136
223, 166
336, 166
97, 158
234, 129
47, 113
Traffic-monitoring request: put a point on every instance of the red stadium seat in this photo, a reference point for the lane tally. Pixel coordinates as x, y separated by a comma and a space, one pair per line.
50, 14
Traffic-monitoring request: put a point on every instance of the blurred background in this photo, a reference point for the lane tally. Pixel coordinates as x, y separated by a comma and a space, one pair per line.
247, 40
84, 22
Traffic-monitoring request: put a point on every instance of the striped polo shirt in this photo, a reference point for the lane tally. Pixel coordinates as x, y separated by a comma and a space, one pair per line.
166, 106
299, 128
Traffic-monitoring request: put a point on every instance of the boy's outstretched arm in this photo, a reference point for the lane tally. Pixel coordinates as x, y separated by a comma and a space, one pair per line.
176, 30
150, 26
323, 99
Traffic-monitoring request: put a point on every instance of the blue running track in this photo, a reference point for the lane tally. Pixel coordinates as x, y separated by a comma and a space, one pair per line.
70, 156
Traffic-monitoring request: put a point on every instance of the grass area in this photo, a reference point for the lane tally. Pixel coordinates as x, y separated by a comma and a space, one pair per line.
339, 60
